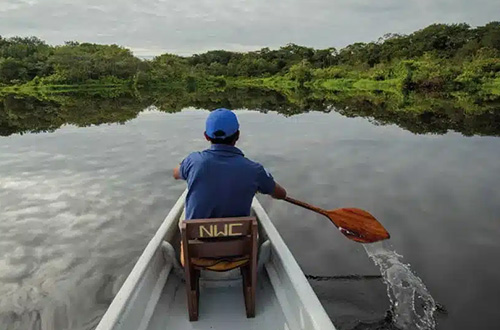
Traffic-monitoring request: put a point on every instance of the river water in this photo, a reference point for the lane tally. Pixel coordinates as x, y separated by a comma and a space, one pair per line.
78, 205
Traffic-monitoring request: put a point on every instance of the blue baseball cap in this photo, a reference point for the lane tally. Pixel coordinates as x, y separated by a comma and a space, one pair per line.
223, 122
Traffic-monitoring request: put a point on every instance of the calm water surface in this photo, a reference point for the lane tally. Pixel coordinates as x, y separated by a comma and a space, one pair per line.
78, 206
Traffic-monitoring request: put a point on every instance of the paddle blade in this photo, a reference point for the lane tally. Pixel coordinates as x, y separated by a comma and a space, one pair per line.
358, 225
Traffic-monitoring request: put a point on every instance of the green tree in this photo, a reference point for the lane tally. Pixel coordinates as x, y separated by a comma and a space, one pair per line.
12, 70
77, 63
301, 72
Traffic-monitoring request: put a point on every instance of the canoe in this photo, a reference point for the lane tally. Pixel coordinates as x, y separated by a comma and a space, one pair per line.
154, 297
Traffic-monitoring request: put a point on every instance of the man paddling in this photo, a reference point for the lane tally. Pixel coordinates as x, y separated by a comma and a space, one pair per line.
221, 180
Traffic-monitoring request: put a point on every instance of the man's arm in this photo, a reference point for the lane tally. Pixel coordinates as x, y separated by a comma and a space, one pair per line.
279, 192
267, 184
182, 171
177, 173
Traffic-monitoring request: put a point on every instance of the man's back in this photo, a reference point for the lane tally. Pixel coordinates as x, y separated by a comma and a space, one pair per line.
222, 182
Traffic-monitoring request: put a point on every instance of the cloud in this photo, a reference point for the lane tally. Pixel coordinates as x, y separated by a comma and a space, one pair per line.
190, 26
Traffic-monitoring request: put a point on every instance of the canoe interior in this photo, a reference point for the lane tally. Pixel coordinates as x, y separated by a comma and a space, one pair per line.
154, 297
221, 307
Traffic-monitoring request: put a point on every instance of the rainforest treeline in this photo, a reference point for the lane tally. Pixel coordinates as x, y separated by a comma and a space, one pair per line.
442, 58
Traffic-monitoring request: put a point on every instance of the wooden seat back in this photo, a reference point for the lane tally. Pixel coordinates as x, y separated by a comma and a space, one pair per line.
213, 239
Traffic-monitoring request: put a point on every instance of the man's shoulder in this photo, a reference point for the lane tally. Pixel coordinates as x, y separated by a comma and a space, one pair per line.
251, 163
200, 157
193, 158
197, 155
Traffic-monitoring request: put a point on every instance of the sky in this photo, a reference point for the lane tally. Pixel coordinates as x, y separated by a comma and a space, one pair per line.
184, 27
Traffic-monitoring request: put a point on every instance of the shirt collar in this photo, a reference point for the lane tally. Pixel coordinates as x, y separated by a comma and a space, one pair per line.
226, 148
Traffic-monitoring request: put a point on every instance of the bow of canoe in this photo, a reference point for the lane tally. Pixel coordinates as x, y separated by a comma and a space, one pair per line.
153, 296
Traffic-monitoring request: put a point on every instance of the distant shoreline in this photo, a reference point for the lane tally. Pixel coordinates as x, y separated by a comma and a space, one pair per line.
446, 60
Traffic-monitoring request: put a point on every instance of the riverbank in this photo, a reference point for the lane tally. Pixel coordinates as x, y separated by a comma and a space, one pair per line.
42, 110
449, 61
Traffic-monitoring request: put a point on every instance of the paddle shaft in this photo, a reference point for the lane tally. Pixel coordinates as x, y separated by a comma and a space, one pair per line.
307, 206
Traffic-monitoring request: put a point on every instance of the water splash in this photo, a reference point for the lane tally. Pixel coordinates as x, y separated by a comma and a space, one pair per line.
412, 305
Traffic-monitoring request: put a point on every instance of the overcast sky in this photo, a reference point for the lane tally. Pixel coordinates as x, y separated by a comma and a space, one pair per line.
152, 27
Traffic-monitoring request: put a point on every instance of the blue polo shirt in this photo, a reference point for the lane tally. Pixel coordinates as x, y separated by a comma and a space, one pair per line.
222, 182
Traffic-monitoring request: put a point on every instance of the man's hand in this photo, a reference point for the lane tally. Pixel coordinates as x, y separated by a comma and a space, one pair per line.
177, 173
279, 192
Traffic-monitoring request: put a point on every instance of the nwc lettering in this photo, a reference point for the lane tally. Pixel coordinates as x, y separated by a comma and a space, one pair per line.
216, 230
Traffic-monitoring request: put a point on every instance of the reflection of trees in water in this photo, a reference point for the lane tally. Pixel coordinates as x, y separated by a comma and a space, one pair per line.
28, 114
421, 115
20, 114
416, 113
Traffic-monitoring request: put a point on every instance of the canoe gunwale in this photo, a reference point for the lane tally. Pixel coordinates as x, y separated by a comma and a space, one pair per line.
283, 261
112, 316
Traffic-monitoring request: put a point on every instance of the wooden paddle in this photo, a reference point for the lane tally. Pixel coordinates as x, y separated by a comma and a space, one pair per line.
355, 224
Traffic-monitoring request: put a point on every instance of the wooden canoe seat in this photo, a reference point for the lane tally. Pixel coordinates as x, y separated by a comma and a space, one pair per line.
219, 245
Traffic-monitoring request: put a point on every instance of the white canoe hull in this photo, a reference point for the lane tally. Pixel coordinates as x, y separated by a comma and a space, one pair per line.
154, 297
